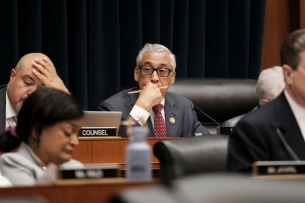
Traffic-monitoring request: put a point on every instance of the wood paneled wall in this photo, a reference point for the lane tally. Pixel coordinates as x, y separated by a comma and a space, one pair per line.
281, 18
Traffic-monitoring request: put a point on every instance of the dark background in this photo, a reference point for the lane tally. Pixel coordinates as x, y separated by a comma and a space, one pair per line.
94, 43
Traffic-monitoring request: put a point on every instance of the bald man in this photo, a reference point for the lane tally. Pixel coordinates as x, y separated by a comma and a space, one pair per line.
33, 71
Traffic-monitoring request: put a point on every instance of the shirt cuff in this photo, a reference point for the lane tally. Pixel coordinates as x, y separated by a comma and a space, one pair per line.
140, 115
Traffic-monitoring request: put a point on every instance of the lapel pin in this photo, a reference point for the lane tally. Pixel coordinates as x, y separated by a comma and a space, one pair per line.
172, 120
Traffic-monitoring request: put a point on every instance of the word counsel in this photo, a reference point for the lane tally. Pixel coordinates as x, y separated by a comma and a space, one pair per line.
94, 132
98, 132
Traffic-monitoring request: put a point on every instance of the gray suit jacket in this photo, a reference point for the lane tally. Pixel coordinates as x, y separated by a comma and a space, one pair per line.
254, 139
233, 121
23, 167
176, 107
2, 107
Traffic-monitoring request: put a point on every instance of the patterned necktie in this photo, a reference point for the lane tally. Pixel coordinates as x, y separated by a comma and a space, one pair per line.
159, 123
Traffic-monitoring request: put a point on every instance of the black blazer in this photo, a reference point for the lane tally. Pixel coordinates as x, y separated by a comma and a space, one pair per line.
253, 138
2, 107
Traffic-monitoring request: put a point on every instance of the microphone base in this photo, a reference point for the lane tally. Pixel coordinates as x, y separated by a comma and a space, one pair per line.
224, 130
211, 128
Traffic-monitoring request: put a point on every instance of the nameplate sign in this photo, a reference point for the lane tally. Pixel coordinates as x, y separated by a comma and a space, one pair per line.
278, 167
111, 171
98, 132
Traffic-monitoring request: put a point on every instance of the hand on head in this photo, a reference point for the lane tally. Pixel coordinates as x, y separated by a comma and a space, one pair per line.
46, 72
33, 71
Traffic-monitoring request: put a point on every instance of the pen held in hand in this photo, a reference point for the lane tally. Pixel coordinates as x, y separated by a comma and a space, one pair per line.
138, 91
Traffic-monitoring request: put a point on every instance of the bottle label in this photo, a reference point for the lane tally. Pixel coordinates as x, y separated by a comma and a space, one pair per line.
138, 166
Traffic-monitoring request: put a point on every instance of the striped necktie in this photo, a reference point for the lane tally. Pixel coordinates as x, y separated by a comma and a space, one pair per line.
15, 119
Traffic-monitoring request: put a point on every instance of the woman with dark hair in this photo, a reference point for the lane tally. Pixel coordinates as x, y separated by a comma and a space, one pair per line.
47, 132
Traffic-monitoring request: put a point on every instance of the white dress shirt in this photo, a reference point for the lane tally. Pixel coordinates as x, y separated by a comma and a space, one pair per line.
298, 111
9, 112
4, 182
141, 115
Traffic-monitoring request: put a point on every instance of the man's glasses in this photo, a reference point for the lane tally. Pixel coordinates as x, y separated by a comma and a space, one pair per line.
148, 70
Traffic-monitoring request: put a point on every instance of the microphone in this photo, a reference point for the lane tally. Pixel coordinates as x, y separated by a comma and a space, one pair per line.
197, 109
275, 127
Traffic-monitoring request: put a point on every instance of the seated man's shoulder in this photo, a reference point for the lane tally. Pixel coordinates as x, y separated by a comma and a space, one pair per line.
177, 97
2, 89
3, 86
180, 102
118, 94
260, 117
250, 140
117, 102
232, 122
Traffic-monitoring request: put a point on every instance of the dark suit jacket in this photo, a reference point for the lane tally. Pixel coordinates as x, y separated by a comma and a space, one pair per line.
2, 107
177, 107
253, 138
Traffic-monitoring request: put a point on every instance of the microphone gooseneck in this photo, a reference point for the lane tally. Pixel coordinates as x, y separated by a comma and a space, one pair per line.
197, 109
276, 128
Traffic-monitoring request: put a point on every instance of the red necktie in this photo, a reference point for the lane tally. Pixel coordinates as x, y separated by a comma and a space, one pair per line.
159, 123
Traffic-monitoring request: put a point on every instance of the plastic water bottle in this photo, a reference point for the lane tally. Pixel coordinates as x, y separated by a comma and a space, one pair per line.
138, 155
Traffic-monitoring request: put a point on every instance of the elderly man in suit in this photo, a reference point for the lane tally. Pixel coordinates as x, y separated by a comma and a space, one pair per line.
33, 71
155, 72
254, 138
269, 85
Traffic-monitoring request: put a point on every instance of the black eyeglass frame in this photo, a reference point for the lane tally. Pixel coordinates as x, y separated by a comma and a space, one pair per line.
155, 69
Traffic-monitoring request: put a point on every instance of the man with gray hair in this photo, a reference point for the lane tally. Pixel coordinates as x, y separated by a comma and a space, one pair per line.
167, 114
269, 85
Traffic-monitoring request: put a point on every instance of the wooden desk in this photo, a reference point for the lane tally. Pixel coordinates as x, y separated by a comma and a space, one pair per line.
300, 177
106, 150
88, 191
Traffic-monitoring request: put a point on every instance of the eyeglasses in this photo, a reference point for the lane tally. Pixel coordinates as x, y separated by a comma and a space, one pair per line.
148, 70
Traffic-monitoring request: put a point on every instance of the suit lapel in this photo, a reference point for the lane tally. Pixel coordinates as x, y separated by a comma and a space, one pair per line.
132, 97
289, 127
171, 116
2, 107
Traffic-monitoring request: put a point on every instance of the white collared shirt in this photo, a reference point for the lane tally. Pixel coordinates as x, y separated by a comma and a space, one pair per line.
141, 115
9, 113
4, 182
298, 111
